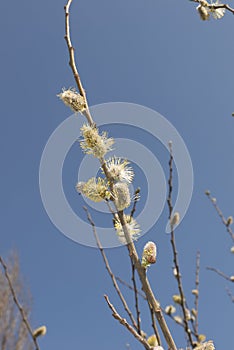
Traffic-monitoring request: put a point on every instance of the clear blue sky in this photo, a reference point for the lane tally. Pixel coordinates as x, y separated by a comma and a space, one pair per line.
155, 53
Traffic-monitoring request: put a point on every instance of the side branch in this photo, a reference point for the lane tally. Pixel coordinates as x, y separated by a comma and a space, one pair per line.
17, 303
174, 250
112, 276
122, 321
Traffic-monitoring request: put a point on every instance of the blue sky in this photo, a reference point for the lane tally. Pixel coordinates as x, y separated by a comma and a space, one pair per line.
158, 54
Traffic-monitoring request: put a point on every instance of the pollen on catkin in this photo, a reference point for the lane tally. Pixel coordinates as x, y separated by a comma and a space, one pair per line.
132, 227
149, 254
119, 171
95, 189
121, 195
94, 143
40, 331
73, 99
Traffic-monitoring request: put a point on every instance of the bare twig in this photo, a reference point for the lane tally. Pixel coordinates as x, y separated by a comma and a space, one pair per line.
130, 287
17, 303
154, 326
229, 293
72, 62
224, 221
220, 273
136, 299
125, 305
174, 250
197, 289
122, 321
136, 199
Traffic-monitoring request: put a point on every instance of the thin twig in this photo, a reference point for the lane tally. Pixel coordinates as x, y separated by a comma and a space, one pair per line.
144, 297
224, 221
220, 273
229, 293
130, 287
122, 321
174, 250
136, 299
154, 326
72, 62
125, 305
135, 200
197, 289
17, 303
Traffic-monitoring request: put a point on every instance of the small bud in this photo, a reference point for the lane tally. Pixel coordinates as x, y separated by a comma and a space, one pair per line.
207, 192
214, 200
175, 219
229, 221
195, 292
40, 331
152, 340
170, 309
149, 254
177, 299
194, 312
231, 278
201, 338
232, 250
178, 319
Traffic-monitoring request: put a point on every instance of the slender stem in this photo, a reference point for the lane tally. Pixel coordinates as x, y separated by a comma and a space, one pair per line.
122, 321
136, 299
174, 250
197, 288
219, 212
72, 62
17, 303
220, 273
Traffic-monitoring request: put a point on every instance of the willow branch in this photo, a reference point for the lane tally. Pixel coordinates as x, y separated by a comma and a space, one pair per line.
131, 247
174, 250
122, 321
17, 303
